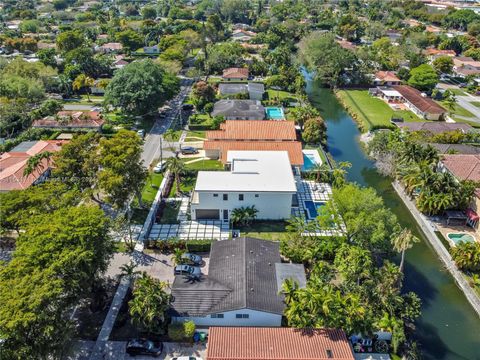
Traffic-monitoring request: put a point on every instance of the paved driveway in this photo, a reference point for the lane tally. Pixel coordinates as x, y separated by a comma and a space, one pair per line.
115, 350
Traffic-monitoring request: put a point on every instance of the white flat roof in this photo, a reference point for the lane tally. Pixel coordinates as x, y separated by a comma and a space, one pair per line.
251, 171
391, 92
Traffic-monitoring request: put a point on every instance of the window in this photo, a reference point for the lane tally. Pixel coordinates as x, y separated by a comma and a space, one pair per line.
242, 316
216, 316
329, 354
256, 195
225, 197
240, 197
215, 195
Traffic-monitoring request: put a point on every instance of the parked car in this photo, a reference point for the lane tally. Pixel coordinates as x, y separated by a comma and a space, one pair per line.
186, 358
141, 133
192, 259
187, 270
144, 347
160, 167
188, 150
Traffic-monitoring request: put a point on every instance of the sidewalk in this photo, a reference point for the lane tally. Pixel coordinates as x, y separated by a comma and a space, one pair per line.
442, 253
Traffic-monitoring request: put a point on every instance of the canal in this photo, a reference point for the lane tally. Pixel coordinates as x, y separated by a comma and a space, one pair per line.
448, 328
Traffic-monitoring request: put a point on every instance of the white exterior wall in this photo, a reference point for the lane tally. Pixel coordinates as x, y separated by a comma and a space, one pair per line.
255, 318
270, 206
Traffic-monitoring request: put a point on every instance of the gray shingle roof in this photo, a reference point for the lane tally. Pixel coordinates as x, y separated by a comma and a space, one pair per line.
232, 88
242, 274
252, 109
456, 148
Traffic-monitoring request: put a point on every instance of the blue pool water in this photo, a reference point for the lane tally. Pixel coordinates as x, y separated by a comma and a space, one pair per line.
312, 208
309, 162
274, 113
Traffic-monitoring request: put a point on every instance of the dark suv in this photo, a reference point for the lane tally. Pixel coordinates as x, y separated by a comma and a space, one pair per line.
144, 347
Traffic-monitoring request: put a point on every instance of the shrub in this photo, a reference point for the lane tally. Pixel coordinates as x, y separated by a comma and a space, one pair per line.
189, 329
199, 245
175, 332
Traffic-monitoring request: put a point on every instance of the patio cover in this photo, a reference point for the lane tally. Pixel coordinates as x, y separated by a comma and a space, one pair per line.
455, 215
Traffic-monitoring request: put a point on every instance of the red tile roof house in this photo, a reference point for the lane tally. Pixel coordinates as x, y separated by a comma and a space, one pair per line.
253, 343
72, 120
235, 74
14, 162
254, 135
433, 53
386, 78
465, 66
109, 47
465, 167
420, 104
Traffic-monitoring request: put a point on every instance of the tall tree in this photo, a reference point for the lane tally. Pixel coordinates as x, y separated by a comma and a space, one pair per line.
402, 242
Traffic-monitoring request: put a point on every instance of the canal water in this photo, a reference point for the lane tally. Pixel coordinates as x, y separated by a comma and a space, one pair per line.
448, 328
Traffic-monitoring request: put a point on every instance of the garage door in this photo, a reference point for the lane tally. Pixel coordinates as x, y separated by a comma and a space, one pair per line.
207, 214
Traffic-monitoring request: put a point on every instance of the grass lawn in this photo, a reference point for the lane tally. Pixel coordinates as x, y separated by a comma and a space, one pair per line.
151, 187
196, 134
139, 215
267, 230
118, 119
476, 103
214, 79
187, 183
458, 92
203, 164
281, 95
459, 111
370, 111
170, 213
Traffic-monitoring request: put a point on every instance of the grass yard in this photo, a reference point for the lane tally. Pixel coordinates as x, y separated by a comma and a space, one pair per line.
267, 230
281, 95
151, 187
195, 134
203, 164
476, 103
459, 111
372, 112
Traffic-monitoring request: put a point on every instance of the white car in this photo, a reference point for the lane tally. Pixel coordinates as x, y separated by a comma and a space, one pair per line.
186, 358
160, 167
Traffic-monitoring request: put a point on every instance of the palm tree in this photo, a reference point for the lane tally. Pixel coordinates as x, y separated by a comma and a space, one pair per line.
176, 167
237, 216
129, 270
339, 174
177, 255
289, 290
83, 81
402, 242
36, 162
250, 214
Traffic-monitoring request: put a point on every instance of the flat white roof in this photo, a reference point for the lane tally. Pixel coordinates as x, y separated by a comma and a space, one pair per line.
391, 92
251, 171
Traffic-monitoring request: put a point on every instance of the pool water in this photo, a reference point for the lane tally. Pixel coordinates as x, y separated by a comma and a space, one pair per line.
312, 208
309, 162
458, 237
274, 113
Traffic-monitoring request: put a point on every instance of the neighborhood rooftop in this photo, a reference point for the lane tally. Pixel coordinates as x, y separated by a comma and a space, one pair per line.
463, 167
241, 275
424, 104
266, 171
254, 130
253, 343
434, 127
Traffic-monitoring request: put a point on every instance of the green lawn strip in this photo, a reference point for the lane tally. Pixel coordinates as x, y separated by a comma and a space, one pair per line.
196, 134
187, 183
170, 212
151, 187
475, 103
471, 123
460, 111
267, 230
457, 91
214, 79
205, 164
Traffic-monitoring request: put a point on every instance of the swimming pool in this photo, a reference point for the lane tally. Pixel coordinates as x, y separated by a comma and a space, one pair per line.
458, 237
310, 159
312, 208
274, 113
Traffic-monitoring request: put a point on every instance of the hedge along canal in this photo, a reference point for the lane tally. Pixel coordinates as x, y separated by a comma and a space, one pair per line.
449, 328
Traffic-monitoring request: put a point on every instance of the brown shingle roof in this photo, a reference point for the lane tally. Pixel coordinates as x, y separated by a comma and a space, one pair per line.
294, 148
235, 73
463, 167
424, 104
436, 127
254, 130
249, 343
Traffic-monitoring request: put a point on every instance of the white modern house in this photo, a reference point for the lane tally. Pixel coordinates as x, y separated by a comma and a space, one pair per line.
242, 288
263, 179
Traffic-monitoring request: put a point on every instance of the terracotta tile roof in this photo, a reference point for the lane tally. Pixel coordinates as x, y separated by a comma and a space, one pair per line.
386, 76
71, 119
254, 130
13, 163
463, 167
235, 73
433, 51
460, 61
424, 104
294, 148
249, 343
112, 46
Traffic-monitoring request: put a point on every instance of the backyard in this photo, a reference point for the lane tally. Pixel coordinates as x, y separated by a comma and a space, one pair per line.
267, 230
372, 112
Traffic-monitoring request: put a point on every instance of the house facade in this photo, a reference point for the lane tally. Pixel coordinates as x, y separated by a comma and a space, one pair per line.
263, 179
242, 288
420, 104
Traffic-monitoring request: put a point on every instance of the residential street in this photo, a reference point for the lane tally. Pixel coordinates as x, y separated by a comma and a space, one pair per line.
465, 102
151, 146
